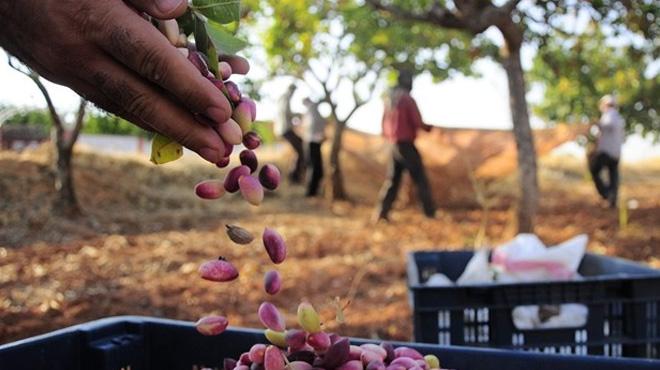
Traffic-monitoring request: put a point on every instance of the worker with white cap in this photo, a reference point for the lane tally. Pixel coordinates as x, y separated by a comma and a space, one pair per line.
608, 150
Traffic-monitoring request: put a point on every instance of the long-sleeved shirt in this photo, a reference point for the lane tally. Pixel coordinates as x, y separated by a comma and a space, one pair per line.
401, 122
314, 125
283, 121
612, 133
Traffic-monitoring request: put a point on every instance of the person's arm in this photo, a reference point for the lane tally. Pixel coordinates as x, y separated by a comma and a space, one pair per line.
110, 55
415, 116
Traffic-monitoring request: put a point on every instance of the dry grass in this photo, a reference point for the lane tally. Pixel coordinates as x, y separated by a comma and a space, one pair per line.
144, 234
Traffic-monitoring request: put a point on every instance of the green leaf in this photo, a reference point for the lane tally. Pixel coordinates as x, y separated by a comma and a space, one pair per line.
164, 149
201, 35
224, 41
221, 11
212, 56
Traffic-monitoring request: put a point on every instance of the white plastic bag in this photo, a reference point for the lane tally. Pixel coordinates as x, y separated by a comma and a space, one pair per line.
526, 258
478, 270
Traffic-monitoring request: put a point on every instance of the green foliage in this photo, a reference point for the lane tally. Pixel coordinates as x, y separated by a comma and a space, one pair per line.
577, 70
289, 38
224, 41
220, 11
397, 44
105, 123
96, 122
31, 117
301, 32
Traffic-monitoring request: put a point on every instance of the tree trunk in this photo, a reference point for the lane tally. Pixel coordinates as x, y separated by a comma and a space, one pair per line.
337, 178
66, 202
529, 193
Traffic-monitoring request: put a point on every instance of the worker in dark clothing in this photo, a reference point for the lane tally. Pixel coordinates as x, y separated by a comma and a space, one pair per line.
283, 127
314, 125
401, 121
612, 135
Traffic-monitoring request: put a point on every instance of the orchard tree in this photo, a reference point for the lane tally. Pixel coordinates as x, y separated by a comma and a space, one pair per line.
520, 22
344, 48
306, 40
577, 70
66, 202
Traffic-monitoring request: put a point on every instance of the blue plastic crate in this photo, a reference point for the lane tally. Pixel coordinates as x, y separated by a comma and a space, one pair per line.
143, 343
623, 299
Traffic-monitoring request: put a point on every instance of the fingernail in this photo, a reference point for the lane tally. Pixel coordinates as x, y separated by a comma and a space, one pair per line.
167, 6
218, 115
210, 154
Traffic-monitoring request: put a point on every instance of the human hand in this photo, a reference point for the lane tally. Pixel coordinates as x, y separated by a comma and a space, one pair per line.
109, 54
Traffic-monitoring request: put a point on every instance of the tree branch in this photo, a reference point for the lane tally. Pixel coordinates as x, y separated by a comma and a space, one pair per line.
358, 101
34, 76
327, 94
438, 15
80, 120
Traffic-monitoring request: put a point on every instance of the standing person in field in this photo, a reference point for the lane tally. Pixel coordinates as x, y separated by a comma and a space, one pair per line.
283, 127
608, 149
401, 121
314, 136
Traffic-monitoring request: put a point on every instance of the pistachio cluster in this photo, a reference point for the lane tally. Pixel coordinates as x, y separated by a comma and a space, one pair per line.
311, 348
235, 131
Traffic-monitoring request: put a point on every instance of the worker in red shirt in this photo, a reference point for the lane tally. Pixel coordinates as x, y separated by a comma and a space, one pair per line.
401, 121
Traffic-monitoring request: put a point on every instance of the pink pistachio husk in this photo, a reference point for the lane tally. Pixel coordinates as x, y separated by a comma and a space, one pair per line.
274, 359
273, 284
251, 140
251, 189
234, 93
271, 317
269, 176
243, 116
218, 270
231, 179
211, 325
248, 158
210, 189
275, 245
224, 162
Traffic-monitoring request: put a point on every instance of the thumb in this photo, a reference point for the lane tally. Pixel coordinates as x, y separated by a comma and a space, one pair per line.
161, 9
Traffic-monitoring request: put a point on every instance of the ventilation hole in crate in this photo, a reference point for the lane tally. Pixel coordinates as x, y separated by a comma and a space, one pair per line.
581, 336
581, 350
444, 338
444, 320
566, 350
444, 324
518, 339
652, 350
476, 325
551, 350
613, 321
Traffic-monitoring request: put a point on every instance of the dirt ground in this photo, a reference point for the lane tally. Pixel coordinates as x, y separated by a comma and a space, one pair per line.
144, 234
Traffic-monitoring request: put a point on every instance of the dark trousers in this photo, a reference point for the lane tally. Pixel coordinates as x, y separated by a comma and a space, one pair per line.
610, 190
316, 164
405, 157
297, 170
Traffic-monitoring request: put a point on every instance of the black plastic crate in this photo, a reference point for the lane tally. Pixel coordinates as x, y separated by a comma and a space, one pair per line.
142, 343
623, 299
